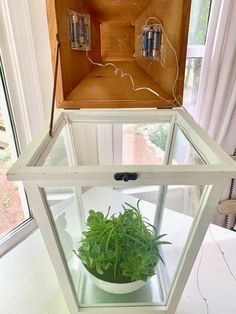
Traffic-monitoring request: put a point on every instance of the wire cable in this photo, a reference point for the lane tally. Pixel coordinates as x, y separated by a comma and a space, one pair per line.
123, 74
223, 255
198, 284
200, 262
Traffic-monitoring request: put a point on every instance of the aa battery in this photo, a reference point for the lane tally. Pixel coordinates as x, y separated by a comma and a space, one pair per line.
156, 44
151, 41
81, 30
74, 29
86, 30
144, 44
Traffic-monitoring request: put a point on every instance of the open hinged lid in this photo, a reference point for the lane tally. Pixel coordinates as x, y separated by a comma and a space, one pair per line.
119, 54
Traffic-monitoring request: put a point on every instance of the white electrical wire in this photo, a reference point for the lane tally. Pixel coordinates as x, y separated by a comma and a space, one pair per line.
198, 284
175, 54
199, 264
135, 89
122, 75
223, 255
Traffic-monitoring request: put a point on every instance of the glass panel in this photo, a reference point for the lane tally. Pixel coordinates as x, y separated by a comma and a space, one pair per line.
109, 144
198, 21
13, 206
180, 206
182, 151
144, 144
69, 215
171, 209
199, 17
66, 210
59, 154
191, 84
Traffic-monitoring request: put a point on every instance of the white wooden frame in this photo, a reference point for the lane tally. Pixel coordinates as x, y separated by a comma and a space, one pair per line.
218, 168
220, 165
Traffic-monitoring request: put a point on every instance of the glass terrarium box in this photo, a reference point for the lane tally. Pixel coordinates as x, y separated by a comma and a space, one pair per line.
123, 199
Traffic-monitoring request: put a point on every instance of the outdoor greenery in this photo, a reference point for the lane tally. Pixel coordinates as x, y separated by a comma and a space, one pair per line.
199, 16
120, 248
198, 21
4, 155
158, 135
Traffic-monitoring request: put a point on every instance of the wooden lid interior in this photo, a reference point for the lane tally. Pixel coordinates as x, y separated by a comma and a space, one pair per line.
116, 27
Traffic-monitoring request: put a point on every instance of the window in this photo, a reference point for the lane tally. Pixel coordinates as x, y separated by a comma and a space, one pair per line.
144, 143
14, 210
199, 17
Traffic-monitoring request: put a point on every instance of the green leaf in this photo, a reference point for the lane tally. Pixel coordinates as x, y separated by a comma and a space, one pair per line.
90, 261
99, 269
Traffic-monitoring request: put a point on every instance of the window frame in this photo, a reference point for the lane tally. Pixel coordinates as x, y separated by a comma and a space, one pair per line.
28, 225
18, 63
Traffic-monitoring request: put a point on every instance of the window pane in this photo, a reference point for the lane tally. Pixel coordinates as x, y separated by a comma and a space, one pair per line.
192, 79
183, 153
144, 144
198, 21
181, 205
70, 210
58, 154
13, 206
199, 17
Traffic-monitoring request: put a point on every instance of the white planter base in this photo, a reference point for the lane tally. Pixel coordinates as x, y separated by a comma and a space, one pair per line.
116, 288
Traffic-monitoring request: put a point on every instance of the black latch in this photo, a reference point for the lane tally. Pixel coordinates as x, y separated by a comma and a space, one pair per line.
125, 176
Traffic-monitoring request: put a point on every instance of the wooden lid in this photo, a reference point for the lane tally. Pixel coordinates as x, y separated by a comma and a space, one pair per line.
116, 30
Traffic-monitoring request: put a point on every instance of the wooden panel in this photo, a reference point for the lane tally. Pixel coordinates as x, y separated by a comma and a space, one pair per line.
174, 16
74, 64
102, 89
117, 10
83, 85
117, 41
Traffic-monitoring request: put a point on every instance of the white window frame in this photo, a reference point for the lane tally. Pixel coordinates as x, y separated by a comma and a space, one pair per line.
24, 84
28, 225
195, 51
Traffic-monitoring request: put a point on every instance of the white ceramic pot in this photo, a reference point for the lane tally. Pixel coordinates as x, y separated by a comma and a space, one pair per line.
116, 288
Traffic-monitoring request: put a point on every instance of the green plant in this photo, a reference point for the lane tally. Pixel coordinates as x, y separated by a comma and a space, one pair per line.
120, 248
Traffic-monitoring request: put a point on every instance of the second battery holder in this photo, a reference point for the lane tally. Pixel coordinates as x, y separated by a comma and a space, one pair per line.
80, 33
151, 42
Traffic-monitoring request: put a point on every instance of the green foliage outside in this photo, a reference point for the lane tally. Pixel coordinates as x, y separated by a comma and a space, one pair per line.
158, 135
4, 155
120, 248
199, 21
4, 199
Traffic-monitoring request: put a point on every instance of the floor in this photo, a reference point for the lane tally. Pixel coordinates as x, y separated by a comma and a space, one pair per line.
28, 283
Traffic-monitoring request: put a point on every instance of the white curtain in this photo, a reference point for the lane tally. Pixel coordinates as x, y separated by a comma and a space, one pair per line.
216, 105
